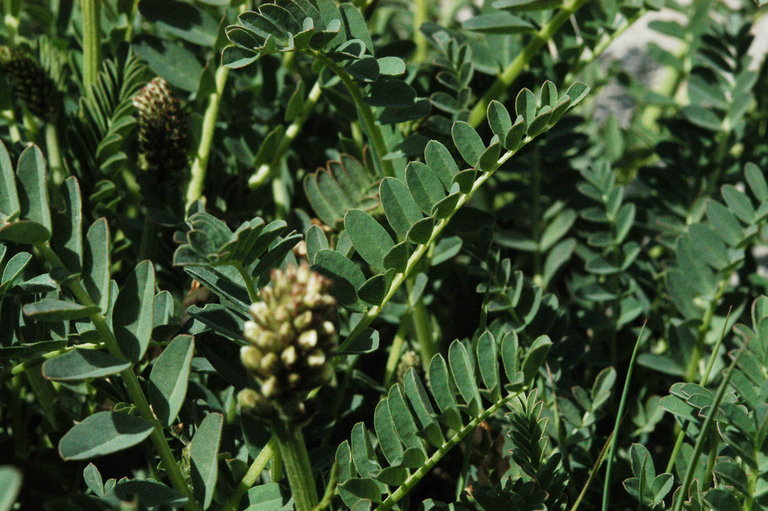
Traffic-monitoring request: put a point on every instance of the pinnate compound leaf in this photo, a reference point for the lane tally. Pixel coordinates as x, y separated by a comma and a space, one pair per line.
169, 378
80, 364
134, 311
103, 433
203, 457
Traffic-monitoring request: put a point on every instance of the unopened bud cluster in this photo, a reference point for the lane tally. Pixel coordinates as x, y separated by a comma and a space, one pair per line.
163, 132
291, 336
30, 83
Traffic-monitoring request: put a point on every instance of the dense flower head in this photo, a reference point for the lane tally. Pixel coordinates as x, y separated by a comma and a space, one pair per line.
163, 131
30, 83
291, 335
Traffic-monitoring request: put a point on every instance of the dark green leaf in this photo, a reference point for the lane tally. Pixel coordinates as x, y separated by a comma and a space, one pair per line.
169, 378
103, 433
134, 311
203, 458
80, 364
368, 237
52, 309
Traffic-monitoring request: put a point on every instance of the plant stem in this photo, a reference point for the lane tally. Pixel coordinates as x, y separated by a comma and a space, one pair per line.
615, 434
32, 362
420, 14
330, 488
54, 154
699, 446
604, 43
203, 153
366, 115
394, 355
253, 473
372, 313
513, 70
131, 382
703, 382
595, 468
253, 295
296, 462
265, 171
457, 437
91, 42
703, 329
421, 327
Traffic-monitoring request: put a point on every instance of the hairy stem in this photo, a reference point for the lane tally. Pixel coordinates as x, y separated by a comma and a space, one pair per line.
296, 462
91, 42
203, 153
513, 70
32, 362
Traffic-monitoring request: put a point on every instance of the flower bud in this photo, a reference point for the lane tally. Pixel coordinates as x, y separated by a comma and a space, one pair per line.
163, 133
292, 333
30, 83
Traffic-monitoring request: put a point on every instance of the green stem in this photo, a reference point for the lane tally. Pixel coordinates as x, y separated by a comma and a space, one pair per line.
513, 70
265, 171
366, 115
617, 424
297, 467
131, 382
604, 43
330, 489
372, 313
54, 154
253, 295
394, 355
536, 207
457, 437
420, 14
91, 42
252, 475
421, 327
699, 446
203, 153
598, 463
703, 382
703, 329
11, 9
32, 362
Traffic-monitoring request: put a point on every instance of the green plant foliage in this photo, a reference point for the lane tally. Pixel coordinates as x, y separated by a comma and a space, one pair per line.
318, 255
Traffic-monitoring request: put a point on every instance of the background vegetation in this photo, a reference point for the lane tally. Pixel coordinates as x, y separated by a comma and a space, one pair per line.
521, 301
